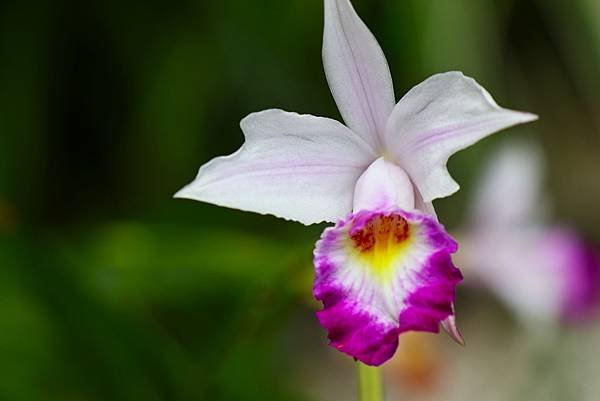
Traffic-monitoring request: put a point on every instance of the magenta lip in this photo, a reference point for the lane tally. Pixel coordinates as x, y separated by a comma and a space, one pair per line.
428, 294
582, 275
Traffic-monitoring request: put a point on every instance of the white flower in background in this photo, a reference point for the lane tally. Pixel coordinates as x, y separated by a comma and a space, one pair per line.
385, 268
544, 273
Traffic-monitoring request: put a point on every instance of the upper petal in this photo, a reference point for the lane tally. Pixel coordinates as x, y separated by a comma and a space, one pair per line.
517, 169
357, 71
446, 113
297, 167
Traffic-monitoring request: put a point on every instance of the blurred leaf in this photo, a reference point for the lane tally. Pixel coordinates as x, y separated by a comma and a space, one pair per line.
170, 262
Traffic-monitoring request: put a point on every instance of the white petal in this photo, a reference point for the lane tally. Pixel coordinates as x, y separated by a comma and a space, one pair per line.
509, 192
357, 71
298, 167
437, 118
527, 269
425, 207
383, 186
450, 327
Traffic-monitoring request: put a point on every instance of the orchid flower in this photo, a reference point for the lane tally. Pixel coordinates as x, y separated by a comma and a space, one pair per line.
385, 267
545, 274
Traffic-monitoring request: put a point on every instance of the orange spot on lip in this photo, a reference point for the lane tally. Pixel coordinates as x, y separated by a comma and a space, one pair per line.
381, 231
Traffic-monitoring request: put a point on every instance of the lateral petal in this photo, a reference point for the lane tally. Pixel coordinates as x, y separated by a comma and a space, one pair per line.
450, 327
446, 113
357, 71
298, 167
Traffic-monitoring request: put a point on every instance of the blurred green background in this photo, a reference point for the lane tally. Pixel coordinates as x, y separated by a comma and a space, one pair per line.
112, 290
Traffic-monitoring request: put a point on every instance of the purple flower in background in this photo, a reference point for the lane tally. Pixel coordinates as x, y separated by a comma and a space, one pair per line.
385, 267
545, 274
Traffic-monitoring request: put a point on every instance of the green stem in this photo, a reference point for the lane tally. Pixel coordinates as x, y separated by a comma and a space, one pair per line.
370, 383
